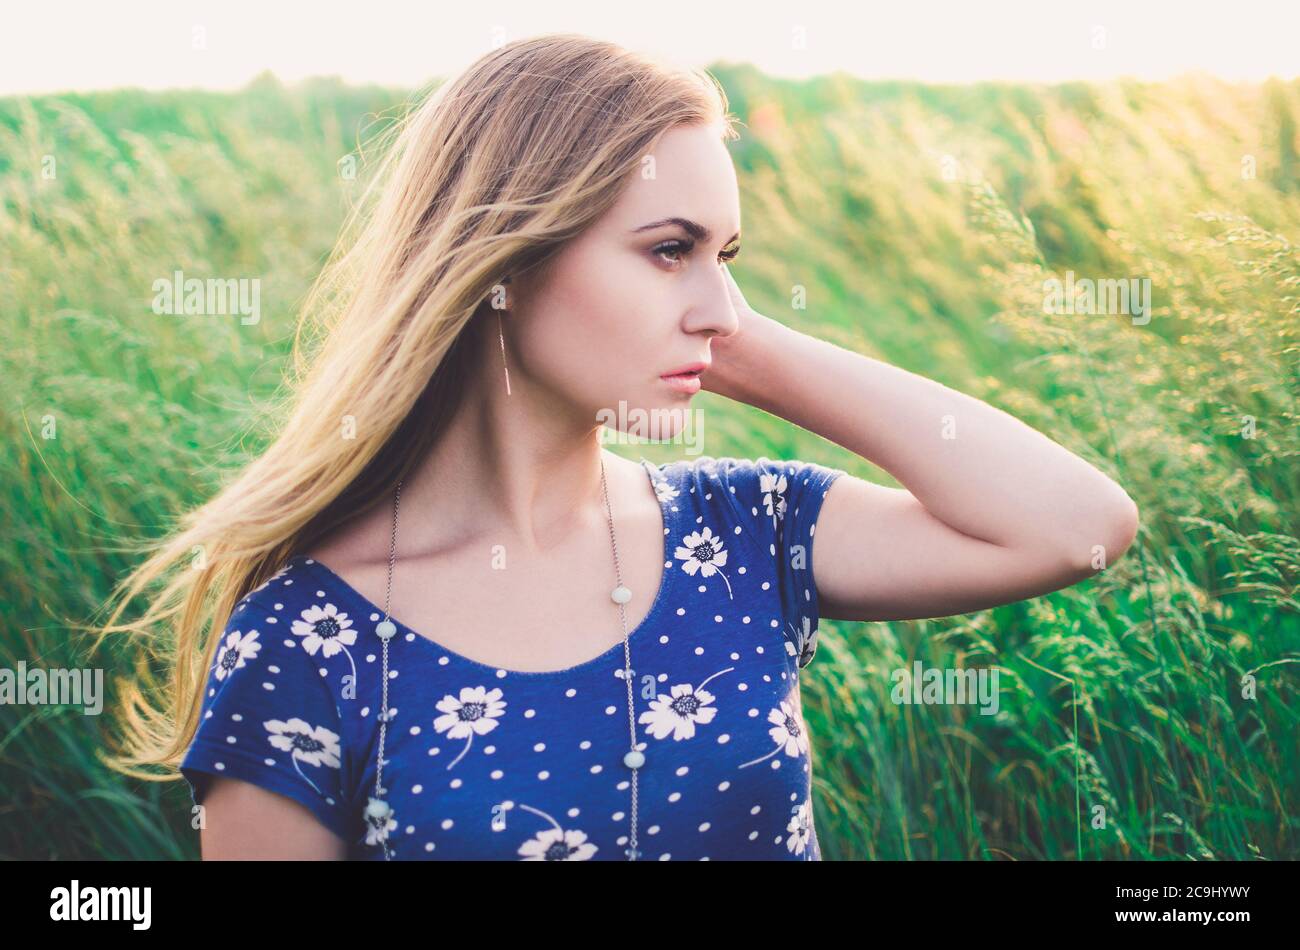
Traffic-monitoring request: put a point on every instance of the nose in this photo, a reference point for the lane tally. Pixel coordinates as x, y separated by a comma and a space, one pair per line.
715, 311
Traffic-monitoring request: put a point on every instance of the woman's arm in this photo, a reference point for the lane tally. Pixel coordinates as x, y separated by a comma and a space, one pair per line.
992, 510
243, 822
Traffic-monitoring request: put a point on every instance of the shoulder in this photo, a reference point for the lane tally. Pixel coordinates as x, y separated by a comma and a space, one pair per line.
295, 620
306, 603
291, 572
269, 714
260, 624
709, 469
758, 479
274, 654
775, 503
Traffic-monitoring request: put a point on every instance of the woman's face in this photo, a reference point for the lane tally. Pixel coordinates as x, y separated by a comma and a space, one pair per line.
638, 295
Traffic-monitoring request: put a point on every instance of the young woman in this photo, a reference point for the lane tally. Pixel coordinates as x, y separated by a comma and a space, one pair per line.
451, 625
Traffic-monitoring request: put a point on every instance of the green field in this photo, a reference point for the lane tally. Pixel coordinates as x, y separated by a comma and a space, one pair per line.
1147, 713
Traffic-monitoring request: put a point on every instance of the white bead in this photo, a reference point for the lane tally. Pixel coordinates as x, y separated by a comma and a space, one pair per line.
385, 629
634, 759
620, 594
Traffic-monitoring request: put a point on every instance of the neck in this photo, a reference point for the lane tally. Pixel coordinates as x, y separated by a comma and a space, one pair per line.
519, 469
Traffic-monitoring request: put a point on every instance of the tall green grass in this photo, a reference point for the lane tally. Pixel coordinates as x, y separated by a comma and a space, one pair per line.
922, 222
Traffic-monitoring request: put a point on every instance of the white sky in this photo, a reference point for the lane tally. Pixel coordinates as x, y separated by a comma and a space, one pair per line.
63, 45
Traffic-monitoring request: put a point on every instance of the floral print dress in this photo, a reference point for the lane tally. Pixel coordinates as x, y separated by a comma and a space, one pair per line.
484, 763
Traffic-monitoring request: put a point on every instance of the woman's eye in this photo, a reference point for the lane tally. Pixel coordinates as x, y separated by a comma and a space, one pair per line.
725, 256
673, 247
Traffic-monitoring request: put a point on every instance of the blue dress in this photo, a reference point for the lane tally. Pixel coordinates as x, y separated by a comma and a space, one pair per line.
484, 763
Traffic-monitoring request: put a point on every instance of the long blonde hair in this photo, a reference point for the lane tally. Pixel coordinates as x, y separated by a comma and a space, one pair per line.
487, 177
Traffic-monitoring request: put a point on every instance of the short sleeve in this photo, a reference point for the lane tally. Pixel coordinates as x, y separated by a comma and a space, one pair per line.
791, 493
270, 719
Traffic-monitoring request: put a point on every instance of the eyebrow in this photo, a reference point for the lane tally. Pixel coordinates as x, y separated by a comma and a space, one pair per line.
693, 228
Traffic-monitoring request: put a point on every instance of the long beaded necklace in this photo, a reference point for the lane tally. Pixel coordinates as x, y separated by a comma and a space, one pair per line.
378, 812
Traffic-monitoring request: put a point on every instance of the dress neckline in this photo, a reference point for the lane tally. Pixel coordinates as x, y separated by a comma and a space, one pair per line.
423, 641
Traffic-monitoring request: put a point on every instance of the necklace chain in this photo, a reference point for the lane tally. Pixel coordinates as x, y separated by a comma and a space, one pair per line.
378, 810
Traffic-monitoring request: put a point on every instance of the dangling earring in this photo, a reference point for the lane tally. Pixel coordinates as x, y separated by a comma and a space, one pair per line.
502, 337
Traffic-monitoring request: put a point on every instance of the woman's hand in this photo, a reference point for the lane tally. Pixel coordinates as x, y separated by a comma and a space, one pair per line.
738, 357
738, 300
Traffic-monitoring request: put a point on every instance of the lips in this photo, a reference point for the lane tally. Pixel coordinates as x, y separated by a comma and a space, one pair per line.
690, 369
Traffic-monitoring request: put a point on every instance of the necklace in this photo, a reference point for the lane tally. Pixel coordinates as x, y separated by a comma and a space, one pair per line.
378, 812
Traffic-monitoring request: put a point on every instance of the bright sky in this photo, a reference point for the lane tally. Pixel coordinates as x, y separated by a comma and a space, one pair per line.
221, 44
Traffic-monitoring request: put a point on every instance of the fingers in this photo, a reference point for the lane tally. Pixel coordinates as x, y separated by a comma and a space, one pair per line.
737, 298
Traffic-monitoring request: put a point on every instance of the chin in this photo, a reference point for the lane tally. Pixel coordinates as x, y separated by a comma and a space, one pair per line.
656, 420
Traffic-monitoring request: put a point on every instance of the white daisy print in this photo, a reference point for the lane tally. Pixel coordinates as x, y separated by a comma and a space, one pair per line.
475, 713
679, 712
326, 630
804, 643
556, 843
236, 649
664, 491
800, 828
314, 745
773, 489
787, 732
703, 553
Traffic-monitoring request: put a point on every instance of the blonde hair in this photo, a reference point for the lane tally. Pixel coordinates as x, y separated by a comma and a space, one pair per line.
489, 176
